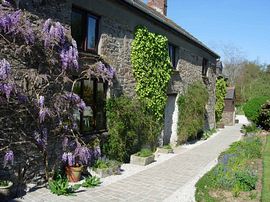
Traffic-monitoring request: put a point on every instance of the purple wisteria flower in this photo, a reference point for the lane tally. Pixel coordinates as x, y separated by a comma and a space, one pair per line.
75, 100
100, 70
5, 69
43, 112
41, 138
69, 57
41, 101
83, 154
6, 89
54, 33
8, 158
68, 158
11, 24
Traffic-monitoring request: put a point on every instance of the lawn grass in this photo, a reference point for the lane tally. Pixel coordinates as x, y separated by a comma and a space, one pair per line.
266, 172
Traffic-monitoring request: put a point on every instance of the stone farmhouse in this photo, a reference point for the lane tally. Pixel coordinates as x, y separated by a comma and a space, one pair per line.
105, 28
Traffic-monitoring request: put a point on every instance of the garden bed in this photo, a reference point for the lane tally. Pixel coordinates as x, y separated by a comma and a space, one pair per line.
238, 174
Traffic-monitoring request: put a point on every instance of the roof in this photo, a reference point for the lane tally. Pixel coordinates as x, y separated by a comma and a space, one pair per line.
140, 5
230, 94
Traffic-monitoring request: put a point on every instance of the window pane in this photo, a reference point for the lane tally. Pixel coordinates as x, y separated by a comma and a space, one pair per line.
76, 27
101, 99
91, 33
88, 97
172, 54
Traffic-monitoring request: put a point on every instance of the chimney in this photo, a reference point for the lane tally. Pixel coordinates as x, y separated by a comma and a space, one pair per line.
158, 5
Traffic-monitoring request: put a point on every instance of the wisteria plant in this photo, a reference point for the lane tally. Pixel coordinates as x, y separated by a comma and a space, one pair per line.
38, 62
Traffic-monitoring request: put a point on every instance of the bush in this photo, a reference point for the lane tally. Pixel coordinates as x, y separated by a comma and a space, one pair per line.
144, 153
192, 112
252, 108
264, 117
131, 126
220, 95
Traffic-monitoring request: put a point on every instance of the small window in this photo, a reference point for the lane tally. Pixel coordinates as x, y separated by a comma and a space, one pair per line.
84, 29
172, 52
93, 118
91, 32
204, 67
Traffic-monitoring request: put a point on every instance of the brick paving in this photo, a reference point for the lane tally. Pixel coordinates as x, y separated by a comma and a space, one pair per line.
154, 184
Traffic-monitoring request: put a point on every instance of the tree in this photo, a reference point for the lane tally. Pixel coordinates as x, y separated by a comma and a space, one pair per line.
37, 67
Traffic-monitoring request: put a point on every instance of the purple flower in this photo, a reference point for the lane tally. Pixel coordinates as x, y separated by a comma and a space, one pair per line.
81, 105
9, 22
54, 34
5, 69
6, 89
69, 57
83, 153
68, 158
43, 112
41, 101
72, 97
22, 98
9, 157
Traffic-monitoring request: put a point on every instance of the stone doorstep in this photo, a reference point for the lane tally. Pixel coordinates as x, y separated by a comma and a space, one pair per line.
142, 161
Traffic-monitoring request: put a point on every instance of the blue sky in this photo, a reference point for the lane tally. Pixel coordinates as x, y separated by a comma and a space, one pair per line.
244, 24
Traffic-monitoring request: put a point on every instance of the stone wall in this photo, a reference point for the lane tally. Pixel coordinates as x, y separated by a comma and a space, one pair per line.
115, 48
228, 118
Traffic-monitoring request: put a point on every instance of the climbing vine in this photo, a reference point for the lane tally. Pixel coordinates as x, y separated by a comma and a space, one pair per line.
151, 69
220, 95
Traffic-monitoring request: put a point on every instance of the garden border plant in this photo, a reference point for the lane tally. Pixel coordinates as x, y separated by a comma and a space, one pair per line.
220, 96
192, 112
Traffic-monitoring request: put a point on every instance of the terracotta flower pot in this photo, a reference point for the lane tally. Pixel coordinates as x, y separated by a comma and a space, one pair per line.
74, 173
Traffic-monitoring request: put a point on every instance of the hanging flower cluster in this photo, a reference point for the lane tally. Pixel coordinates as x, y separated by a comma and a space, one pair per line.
8, 158
81, 155
43, 111
42, 137
15, 25
5, 86
54, 34
103, 71
75, 100
69, 57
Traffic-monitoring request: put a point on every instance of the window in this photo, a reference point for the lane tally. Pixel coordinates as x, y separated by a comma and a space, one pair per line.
84, 29
204, 67
93, 92
172, 50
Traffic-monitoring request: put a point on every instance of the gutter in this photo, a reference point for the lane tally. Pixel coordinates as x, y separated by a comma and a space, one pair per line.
139, 5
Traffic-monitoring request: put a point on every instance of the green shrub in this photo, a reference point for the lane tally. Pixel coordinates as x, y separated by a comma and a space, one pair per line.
250, 128
220, 95
252, 108
60, 186
264, 117
144, 153
130, 126
192, 111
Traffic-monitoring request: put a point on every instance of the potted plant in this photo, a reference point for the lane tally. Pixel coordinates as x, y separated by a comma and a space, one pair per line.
143, 157
5, 189
166, 149
104, 167
75, 156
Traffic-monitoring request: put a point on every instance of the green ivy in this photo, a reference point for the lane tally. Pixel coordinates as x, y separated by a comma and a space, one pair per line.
151, 68
192, 111
220, 95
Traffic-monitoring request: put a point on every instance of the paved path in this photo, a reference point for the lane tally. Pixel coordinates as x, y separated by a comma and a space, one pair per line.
170, 180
